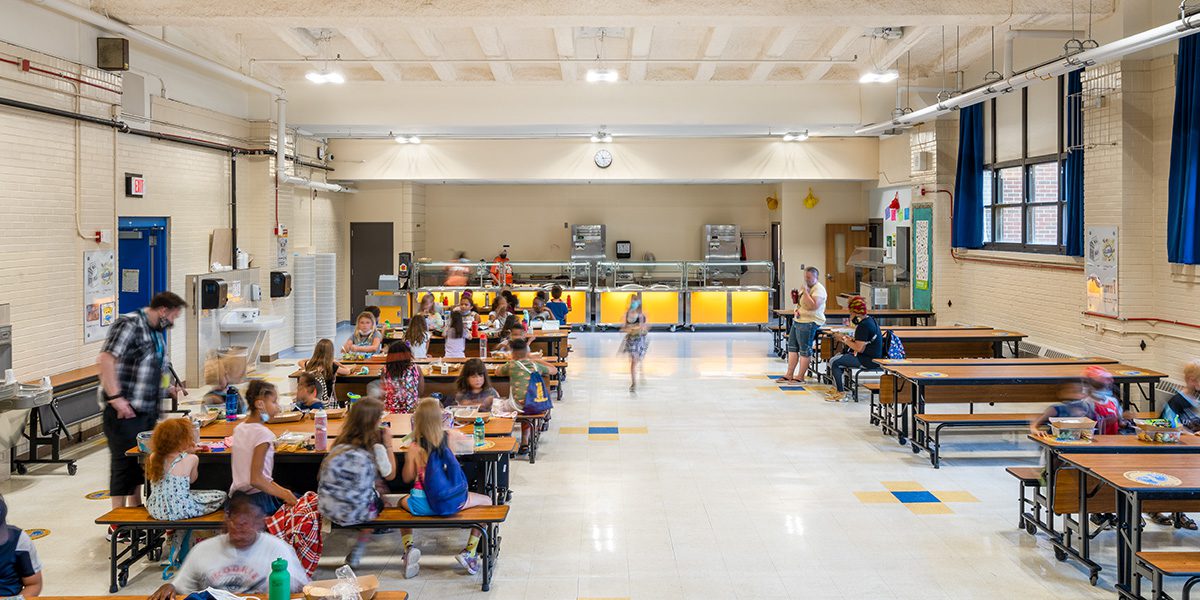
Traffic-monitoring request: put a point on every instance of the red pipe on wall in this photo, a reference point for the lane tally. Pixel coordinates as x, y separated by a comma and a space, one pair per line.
1144, 319
25, 65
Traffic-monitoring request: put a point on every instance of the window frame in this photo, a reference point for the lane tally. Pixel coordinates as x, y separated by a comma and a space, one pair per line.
1027, 164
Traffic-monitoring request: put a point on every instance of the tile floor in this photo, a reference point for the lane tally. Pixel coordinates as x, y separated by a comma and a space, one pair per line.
715, 484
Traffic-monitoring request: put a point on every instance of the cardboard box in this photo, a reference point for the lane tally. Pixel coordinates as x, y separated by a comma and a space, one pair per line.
320, 590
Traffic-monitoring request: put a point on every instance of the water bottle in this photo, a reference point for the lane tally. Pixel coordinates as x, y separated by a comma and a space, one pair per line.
483, 346
196, 430
231, 403
279, 584
321, 424
480, 434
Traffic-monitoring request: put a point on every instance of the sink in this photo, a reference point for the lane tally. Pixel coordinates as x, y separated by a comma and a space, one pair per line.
259, 324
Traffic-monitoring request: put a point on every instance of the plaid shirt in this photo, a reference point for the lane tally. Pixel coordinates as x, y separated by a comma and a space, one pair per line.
141, 361
300, 527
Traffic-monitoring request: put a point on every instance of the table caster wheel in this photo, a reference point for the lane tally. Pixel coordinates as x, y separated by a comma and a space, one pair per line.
22, 469
1030, 529
1094, 578
874, 422
72, 469
673, 328
903, 440
1059, 554
156, 554
915, 449
123, 578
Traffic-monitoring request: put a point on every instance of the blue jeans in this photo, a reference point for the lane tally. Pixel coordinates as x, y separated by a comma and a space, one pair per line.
838, 367
801, 337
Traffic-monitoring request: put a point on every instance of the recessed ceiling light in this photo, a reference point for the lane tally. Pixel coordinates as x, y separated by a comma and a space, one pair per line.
795, 136
602, 75
879, 76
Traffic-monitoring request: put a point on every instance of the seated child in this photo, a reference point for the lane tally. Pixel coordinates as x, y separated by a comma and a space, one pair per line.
519, 370
1094, 400
475, 387
1183, 408
20, 569
417, 336
252, 458
308, 393
171, 469
326, 369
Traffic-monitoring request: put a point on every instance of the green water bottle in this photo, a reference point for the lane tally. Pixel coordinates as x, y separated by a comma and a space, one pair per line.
279, 585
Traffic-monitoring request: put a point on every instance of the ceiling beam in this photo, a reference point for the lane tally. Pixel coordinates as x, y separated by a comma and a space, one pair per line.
370, 47
299, 40
564, 43
718, 38
639, 47
432, 48
775, 45
839, 47
493, 47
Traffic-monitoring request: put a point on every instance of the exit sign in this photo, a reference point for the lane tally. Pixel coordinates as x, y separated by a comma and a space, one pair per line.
135, 185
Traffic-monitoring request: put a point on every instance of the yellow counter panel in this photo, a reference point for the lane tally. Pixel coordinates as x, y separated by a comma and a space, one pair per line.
613, 306
709, 308
661, 308
578, 301
751, 306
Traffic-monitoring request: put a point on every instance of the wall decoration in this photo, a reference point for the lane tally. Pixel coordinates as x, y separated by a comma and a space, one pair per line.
922, 244
1100, 268
99, 293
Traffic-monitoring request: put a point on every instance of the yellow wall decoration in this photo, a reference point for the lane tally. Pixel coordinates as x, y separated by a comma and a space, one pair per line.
810, 201
772, 203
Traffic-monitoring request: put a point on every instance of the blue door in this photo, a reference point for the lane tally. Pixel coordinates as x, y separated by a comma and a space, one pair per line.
142, 260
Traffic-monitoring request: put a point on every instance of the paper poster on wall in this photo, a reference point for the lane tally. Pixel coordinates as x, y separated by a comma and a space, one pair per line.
921, 255
99, 294
1100, 267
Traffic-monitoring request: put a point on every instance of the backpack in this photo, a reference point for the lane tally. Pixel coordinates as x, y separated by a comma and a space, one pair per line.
445, 483
536, 399
346, 486
893, 347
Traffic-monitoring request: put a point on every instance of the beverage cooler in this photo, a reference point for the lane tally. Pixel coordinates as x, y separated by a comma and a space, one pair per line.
729, 293
659, 285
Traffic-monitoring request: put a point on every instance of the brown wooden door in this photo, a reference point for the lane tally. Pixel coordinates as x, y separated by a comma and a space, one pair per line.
840, 241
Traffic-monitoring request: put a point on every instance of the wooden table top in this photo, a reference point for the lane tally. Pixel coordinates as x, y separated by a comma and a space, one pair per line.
379, 595
1114, 444
71, 378
984, 373
399, 424
908, 328
882, 312
1036, 360
1112, 469
375, 370
958, 335
502, 445
534, 335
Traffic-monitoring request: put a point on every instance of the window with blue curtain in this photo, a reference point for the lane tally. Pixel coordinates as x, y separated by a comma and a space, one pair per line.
967, 231
1073, 168
1183, 207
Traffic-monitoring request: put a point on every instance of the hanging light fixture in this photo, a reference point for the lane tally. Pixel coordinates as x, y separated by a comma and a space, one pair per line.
601, 73
601, 137
795, 136
407, 139
325, 75
876, 76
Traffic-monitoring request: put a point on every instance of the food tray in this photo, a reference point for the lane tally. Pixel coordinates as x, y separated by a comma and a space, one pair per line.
1157, 431
1071, 429
287, 417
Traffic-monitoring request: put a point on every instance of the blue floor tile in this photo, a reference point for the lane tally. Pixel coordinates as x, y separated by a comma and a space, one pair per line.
915, 497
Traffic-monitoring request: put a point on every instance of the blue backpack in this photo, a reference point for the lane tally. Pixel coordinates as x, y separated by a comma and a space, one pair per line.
536, 399
445, 483
895, 348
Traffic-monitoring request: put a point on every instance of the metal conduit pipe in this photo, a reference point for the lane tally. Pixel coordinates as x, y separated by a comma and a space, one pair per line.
1012, 34
1113, 50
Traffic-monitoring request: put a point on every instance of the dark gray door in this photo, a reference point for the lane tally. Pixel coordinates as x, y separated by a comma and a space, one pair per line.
370, 256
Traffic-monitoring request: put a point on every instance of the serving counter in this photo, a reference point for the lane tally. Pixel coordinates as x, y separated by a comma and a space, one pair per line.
729, 293
658, 285
448, 280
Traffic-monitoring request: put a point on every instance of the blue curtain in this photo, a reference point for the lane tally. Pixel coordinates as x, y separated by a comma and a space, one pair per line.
1073, 169
968, 185
1183, 207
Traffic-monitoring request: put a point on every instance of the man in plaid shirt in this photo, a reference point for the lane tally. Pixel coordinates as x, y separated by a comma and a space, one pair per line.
134, 372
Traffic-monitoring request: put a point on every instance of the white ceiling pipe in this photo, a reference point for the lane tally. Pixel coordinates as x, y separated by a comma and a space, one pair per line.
1013, 34
1125, 46
80, 13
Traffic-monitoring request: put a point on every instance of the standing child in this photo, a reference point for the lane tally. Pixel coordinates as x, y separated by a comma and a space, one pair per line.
326, 370
308, 393
519, 370
475, 387
456, 336
348, 485
171, 469
401, 380
636, 339
556, 305
365, 339
1093, 399
428, 435
253, 454
417, 336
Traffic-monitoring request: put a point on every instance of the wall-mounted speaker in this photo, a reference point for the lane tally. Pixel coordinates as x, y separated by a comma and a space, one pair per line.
112, 54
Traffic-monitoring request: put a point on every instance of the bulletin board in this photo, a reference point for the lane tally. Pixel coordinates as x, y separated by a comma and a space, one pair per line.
1100, 268
99, 294
922, 245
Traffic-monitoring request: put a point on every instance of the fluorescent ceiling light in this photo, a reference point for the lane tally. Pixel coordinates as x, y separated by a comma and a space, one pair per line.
797, 136
408, 139
323, 77
601, 137
602, 75
879, 76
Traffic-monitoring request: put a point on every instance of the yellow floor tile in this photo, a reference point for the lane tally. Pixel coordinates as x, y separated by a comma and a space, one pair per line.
603, 437
634, 430
767, 388
876, 497
955, 496
929, 508
602, 423
570, 430
903, 486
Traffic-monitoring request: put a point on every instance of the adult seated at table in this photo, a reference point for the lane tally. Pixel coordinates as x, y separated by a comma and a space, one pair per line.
237, 561
861, 350
20, 569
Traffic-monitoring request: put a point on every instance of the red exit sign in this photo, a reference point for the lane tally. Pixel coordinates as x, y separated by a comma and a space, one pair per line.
135, 185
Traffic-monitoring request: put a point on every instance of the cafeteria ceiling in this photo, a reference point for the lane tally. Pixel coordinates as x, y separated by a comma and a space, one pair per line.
686, 44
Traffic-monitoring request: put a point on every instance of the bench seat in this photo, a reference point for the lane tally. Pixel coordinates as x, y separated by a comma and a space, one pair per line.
1156, 565
929, 428
537, 424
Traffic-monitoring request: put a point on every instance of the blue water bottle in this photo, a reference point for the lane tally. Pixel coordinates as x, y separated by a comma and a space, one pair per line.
231, 403
480, 434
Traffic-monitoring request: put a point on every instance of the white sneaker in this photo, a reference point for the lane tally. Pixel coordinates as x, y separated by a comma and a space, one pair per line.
411, 562
470, 562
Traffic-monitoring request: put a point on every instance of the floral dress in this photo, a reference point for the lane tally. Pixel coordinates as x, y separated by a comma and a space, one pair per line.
635, 343
173, 499
400, 394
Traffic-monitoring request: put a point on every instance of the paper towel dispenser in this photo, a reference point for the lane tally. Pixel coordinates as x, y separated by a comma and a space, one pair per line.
281, 284
214, 293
